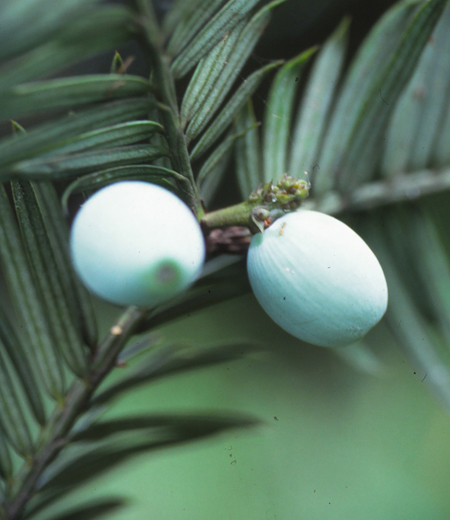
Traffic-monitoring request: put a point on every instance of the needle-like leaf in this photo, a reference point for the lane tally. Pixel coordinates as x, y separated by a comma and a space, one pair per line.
92, 511
67, 166
121, 134
351, 147
162, 430
46, 273
217, 157
434, 267
371, 57
180, 12
211, 34
12, 418
143, 172
207, 424
315, 108
202, 86
22, 360
170, 360
6, 466
408, 326
27, 301
26, 27
248, 153
278, 117
88, 511
216, 74
230, 111
98, 30
69, 93
415, 132
48, 136
203, 296
76, 296
191, 18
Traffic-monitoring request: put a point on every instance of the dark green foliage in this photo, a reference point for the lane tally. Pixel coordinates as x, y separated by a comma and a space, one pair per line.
277, 125
70, 93
49, 136
371, 136
46, 273
27, 302
16, 349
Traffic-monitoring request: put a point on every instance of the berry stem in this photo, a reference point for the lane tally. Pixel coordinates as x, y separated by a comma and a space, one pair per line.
264, 205
237, 215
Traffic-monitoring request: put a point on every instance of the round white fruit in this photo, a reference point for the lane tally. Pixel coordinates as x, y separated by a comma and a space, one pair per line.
135, 243
317, 279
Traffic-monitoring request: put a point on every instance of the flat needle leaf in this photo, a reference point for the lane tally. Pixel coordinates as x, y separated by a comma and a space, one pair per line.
314, 111
211, 34
27, 301
46, 273
230, 111
278, 117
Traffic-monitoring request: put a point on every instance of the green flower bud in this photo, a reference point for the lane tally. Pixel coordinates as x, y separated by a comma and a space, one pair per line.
135, 243
317, 279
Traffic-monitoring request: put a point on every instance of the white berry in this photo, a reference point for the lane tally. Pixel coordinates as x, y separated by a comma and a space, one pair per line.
317, 279
135, 243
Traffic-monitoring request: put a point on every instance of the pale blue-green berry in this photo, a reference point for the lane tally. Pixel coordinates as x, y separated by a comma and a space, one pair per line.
317, 279
135, 243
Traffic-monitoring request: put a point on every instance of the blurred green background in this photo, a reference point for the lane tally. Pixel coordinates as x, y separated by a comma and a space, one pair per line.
336, 443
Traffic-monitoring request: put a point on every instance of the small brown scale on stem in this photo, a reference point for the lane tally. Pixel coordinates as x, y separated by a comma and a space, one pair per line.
231, 240
229, 230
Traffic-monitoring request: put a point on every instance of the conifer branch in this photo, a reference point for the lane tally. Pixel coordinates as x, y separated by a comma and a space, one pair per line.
56, 433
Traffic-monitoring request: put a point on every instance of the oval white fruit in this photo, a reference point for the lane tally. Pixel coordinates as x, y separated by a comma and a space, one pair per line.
317, 279
135, 243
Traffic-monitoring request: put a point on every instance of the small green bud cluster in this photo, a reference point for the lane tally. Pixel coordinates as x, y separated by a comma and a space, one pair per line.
272, 201
287, 194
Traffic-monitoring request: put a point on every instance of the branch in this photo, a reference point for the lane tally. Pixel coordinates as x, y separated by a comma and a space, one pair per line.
403, 187
151, 40
54, 436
